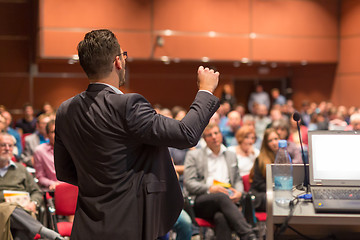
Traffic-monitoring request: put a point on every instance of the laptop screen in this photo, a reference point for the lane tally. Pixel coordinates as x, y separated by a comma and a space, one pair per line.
334, 158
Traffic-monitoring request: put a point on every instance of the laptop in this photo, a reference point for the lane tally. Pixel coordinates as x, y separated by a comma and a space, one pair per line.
334, 166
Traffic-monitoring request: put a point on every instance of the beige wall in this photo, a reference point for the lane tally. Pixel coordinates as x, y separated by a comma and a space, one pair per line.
347, 80
287, 32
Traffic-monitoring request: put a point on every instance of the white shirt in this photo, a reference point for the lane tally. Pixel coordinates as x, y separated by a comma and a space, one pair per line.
245, 163
217, 167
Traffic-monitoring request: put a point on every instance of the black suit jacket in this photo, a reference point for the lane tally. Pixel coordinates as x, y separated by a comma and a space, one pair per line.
114, 147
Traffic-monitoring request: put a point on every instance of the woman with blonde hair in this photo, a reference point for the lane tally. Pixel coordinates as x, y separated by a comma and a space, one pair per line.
269, 148
245, 151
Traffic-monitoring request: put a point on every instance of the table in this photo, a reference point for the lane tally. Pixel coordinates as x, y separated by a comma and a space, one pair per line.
304, 219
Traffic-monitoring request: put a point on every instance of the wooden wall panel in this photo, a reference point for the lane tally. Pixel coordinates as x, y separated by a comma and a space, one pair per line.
113, 14
196, 47
312, 83
225, 16
191, 21
350, 17
57, 90
346, 90
14, 91
295, 49
59, 44
15, 17
347, 81
349, 55
14, 55
295, 18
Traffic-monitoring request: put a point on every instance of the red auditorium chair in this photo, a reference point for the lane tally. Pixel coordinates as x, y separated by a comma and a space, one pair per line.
65, 198
260, 216
202, 223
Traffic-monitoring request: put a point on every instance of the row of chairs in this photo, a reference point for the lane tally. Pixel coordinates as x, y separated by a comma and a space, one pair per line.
64, 204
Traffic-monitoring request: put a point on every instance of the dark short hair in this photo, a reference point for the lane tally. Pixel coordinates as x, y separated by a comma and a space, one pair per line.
97, 52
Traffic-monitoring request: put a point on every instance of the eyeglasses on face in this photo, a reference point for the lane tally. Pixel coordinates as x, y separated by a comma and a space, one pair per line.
7, 144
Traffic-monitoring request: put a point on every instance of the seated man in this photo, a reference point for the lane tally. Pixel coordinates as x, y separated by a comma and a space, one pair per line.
13, 132
35, 139
14, 177
27, 124
203, 167
44, 160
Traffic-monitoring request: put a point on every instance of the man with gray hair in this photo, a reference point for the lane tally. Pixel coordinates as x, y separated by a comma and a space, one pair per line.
14, 177
354, 122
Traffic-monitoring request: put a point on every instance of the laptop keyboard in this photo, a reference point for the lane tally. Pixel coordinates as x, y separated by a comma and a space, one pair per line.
336, 193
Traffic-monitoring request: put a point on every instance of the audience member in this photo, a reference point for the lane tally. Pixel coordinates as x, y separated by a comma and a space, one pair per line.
318, 122
305, 112
15, 177
288, 109
13, 132
233, 124
215, 119
275, 114
228, 95
35, 139
269, 148
2, 108
27, 124
245, 151
351, 111
248, 120
183, 226
282, 127
258, 97
337, 122
215, 202
178, 112
294, 133
166, 112
2, 124
223, 110
261, 120
44, 160
240, 107
46, 109
354, 123
157, 108
278, 99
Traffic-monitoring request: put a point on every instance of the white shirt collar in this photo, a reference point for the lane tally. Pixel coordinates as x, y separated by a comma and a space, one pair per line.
4, 170
209, 152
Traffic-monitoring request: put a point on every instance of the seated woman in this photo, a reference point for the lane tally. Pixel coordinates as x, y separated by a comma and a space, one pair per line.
245, 151
282, 127
269, 148
294, 134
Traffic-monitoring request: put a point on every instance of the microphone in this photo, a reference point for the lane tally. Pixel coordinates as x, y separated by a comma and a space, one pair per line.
297, 117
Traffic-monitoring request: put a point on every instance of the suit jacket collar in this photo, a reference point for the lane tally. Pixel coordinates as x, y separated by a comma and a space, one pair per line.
97, 87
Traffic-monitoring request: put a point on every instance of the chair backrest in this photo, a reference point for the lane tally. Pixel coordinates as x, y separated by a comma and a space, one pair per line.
246, 182
65, 199
23, 139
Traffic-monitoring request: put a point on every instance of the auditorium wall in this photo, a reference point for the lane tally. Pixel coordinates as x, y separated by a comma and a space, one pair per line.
240, 38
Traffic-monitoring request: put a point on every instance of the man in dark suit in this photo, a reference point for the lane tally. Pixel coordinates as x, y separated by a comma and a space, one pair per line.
114, 147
